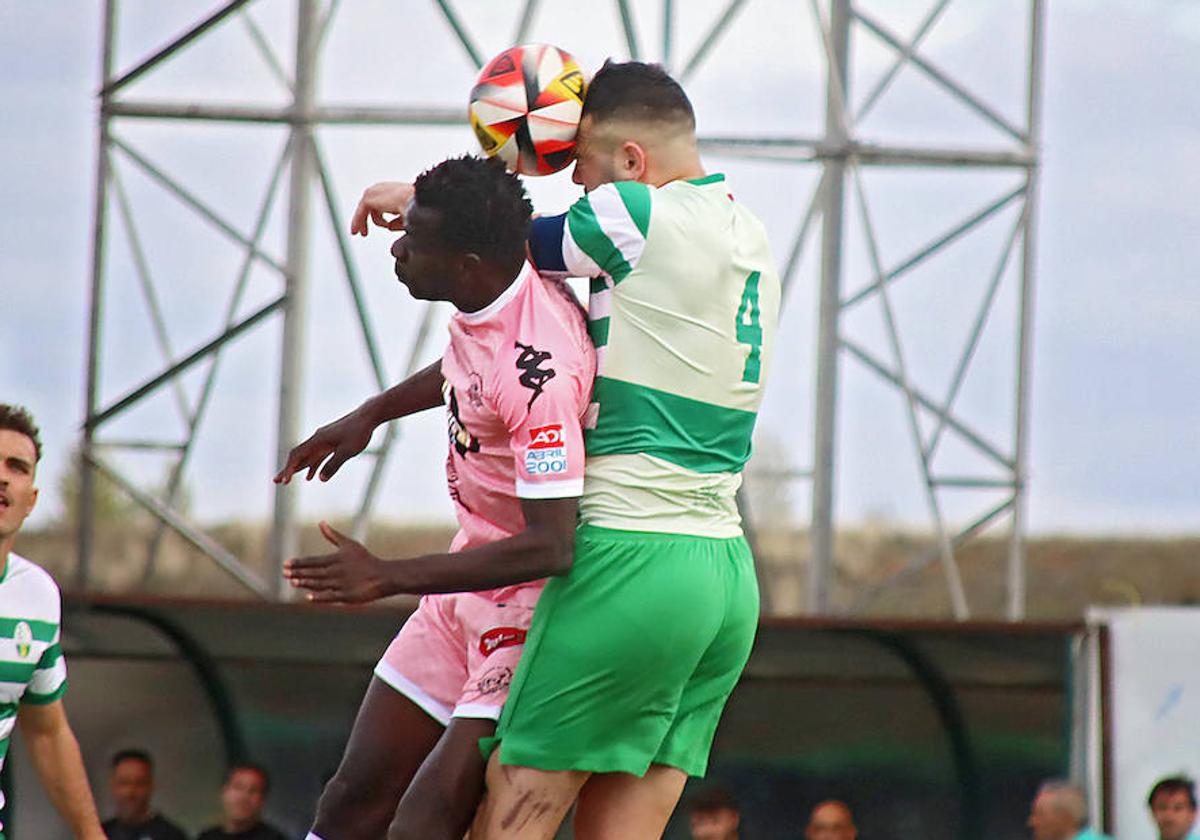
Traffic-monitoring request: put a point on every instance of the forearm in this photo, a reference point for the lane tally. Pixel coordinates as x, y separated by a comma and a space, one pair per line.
527, 556
421, 391
59, 764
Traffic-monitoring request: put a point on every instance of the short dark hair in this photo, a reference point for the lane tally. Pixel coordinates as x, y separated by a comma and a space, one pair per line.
253, 768
1174, 784
16, 418
638, 91
713, 799
484, 209
132, 754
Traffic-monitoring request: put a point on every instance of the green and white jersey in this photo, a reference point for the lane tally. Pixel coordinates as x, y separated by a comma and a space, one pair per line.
32, 669
683, 307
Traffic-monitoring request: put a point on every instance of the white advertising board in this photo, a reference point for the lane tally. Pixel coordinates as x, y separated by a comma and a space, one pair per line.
1153, 708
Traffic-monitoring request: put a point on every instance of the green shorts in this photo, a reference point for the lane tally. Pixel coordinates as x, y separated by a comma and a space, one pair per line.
631, 656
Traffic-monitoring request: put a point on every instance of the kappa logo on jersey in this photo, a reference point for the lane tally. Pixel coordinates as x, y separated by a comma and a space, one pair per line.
460, 437
498, 637
535, 376
23, 636
546, 453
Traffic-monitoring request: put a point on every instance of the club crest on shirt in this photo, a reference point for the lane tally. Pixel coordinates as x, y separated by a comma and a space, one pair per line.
533, 376
23, 638
475, 390
546, 452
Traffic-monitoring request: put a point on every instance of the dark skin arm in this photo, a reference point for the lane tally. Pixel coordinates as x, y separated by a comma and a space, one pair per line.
339, 441
353, 575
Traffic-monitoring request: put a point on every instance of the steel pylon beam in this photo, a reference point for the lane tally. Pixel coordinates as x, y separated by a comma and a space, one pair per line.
840, 153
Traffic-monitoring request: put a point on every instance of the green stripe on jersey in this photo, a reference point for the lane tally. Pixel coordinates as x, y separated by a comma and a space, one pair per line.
43, 631
7, 710
636, 198
598, 330
695, 435
16, 672
50, 656
43, 699
591, 238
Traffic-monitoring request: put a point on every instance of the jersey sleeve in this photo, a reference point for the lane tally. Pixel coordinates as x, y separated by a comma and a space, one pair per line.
539, 395
49, 680
603, 233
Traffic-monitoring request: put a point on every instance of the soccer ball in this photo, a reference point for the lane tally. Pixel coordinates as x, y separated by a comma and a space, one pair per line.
525, 108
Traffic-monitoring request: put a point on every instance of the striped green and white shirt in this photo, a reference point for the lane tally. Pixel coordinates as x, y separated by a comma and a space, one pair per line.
683, 305
32, 669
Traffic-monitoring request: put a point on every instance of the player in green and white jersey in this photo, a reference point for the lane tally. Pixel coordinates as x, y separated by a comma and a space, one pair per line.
33, 675
632, 656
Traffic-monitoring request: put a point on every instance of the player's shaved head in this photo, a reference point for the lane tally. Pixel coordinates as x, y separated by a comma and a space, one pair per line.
633, 91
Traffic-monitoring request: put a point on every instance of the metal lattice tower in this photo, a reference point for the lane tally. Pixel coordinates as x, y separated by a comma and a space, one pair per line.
841, 153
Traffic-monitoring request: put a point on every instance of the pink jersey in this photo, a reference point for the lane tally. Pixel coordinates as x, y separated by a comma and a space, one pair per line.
518, 379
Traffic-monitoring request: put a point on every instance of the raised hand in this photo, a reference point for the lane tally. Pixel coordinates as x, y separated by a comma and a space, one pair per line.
386, 197
338, 442
350, 575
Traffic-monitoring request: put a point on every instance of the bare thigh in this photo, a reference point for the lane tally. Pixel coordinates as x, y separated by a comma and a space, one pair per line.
621, 806
441, 800
390, 740
523, 803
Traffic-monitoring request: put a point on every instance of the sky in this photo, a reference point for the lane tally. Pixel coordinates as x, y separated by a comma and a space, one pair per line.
1115, 391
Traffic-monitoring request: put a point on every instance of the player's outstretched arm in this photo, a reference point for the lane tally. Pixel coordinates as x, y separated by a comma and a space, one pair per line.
386, 197
353, 575
339, 441
55, 755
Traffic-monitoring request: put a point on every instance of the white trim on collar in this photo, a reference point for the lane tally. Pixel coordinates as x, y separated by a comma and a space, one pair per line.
502, 300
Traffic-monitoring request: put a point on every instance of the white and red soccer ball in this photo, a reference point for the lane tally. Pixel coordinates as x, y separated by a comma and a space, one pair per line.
525, 108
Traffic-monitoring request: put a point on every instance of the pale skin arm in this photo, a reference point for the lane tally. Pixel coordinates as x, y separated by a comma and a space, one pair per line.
55, 754
377, 202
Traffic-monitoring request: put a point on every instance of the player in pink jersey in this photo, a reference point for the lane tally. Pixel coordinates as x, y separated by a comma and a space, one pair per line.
516, 380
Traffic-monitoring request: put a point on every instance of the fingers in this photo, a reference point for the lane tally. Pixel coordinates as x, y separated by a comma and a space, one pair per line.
333, 464
332, 534
358, 222
307, 455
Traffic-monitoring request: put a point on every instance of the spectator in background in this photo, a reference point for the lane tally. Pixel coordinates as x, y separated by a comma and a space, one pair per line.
831, 820
131, 785
1172, 803
714, 815
242, 799
1060, 812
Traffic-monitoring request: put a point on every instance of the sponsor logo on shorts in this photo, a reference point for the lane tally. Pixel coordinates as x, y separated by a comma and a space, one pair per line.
498, 637
546, 453
23, 636
497, 679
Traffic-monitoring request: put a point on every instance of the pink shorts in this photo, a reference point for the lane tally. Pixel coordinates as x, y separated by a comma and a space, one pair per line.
455, 656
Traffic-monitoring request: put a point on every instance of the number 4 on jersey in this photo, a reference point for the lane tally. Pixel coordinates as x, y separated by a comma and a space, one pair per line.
749, 331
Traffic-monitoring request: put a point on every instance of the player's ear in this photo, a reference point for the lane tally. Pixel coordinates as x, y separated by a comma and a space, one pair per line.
631, 161
469, 264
